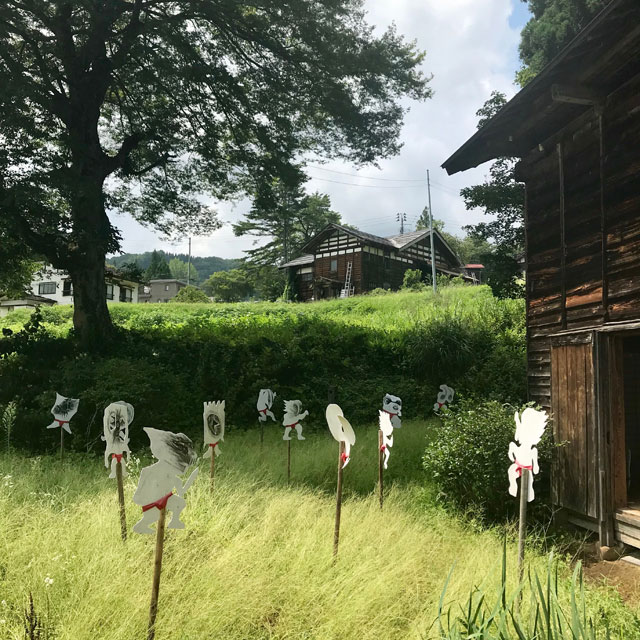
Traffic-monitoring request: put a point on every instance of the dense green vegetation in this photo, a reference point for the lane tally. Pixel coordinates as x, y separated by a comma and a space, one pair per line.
255, 559
167, 358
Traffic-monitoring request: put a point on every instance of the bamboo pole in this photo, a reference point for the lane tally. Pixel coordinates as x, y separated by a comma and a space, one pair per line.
61, 444
380, 467
123, 514
157, 569
336, 530
522, 530
212, 467
288, 461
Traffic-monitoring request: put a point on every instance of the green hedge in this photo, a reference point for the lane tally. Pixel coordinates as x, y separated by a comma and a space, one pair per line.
168, 359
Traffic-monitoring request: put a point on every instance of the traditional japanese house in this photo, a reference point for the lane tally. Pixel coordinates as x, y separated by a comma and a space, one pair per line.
576, 130
342, 261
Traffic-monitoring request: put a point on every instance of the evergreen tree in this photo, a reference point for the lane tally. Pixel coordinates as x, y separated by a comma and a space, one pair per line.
158, 268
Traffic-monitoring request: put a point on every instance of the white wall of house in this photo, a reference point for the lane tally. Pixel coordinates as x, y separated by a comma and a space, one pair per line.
56, 285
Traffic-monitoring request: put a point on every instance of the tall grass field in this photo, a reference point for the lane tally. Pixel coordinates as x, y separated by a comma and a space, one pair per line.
255, 559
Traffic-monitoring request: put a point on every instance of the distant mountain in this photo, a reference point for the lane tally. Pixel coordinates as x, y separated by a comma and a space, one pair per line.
204, 266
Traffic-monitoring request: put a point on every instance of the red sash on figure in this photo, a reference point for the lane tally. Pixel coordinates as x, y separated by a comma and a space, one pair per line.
158, 504
291, 426
263, 411
520, 467
117, 456
213, 445
61, 422
389, 412
345, 457
382, 447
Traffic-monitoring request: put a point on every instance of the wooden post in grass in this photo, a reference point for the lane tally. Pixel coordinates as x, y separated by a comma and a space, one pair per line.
522, 530
381, 466
61, 443
157, 569
212, 467
123, 514
288, 461
336, 530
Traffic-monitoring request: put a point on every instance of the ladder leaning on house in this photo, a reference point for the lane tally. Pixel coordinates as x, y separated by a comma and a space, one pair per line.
348, 288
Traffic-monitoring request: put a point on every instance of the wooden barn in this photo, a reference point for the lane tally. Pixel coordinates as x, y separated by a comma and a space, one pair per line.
342, 261
576, 130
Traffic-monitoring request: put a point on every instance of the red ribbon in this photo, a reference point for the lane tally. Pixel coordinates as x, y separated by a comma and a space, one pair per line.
61, 422
158, 504
118, 456
440, 405
520, 467
344, 457
213, 445
262, 411
291, 426
382, 447
389, 412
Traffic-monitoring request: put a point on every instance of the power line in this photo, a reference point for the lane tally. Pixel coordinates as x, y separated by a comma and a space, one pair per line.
366, 186
355, 175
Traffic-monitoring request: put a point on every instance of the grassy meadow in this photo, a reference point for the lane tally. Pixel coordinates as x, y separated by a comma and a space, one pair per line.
255, 560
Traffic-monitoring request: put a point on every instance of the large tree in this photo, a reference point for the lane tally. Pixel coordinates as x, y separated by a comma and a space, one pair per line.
552, 25
288, 217
142, 106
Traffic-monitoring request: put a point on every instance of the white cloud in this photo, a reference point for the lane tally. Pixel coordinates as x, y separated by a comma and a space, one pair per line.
471, 50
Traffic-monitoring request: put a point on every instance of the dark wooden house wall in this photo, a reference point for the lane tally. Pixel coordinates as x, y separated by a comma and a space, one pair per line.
583, 229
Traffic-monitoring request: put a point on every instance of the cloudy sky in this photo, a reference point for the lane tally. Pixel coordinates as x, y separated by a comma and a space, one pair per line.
471, 50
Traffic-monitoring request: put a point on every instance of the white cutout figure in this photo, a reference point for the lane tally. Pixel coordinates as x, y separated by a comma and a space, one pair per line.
213, 418
529, 431
393, 406
265, 402
292, 417
341, 430
117, 418
175, 455
63, 410
387, 435
445, 395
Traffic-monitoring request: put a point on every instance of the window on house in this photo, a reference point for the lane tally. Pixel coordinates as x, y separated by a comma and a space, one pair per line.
126, 295
109, 291
306, 277
47, 287
334, 265
166, 287
67, 288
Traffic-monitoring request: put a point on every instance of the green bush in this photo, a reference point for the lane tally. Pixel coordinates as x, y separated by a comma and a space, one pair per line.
190, 294
467, 459
412, 279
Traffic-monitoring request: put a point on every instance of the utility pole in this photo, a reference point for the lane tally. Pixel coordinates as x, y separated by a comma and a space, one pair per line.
189, 264
401, 218
433, 251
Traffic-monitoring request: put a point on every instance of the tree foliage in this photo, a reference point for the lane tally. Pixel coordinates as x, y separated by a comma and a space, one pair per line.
183, 271
553, 25
286, 215
190, 294
158, 268
142, 106
17, 267
229, 286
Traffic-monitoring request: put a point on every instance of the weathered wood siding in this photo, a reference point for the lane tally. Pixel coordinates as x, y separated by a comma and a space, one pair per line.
323, 274
583, 229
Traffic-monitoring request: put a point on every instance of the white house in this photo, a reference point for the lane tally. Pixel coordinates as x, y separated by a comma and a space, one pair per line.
56, 285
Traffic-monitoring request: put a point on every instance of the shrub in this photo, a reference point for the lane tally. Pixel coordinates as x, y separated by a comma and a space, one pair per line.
412, 279
467, 458
190, 294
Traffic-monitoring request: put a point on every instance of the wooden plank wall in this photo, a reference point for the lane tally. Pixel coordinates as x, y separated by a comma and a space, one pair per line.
322, 269
583, 229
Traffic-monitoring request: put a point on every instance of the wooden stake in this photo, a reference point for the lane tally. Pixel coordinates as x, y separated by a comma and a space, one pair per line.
157, 569
380, 467
522, 531
123, 515
336, 530
61, 443
288, 461
212, 467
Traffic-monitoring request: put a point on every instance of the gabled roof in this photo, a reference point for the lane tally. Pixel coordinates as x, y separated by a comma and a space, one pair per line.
299, 262
604, 55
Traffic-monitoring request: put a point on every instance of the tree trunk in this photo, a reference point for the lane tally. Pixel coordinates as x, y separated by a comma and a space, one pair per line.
91, 319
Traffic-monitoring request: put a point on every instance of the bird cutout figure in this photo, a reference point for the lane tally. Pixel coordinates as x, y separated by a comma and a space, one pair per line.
387, 435
393, 406
117, 418
175, 454
213, 418
529, 431
292, 418
265, 402
445, 396
63, 410
341, 430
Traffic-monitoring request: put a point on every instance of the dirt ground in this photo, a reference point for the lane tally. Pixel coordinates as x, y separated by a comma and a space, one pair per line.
622, 575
